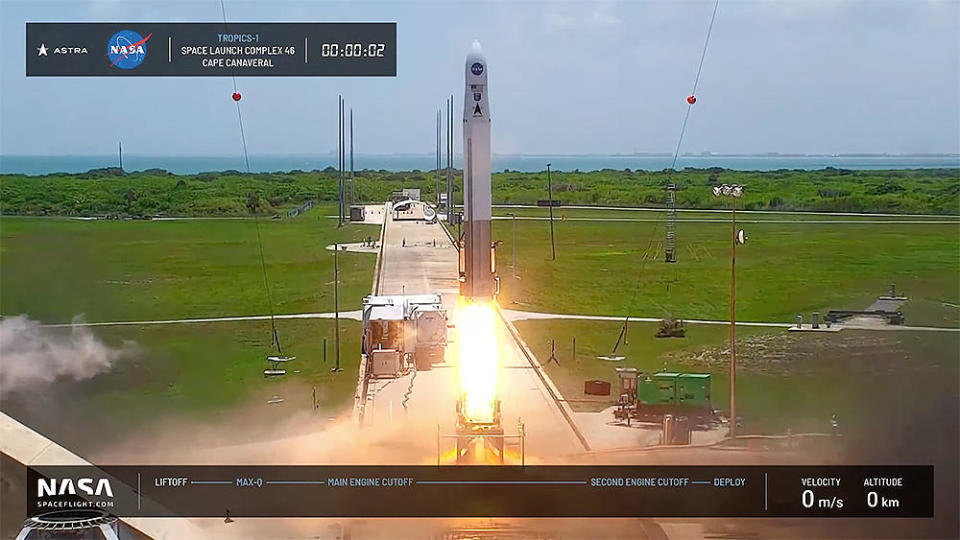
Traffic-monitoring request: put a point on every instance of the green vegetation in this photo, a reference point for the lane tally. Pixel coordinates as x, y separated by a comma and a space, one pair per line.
785, 268
932, 191
111, 192
784, 380
205, 367
205, 372
55, 269
789, 264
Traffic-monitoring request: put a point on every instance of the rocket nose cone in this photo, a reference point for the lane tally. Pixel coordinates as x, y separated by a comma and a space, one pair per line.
475, 60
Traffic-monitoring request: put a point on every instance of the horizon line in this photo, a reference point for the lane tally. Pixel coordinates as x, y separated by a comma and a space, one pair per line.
704, 154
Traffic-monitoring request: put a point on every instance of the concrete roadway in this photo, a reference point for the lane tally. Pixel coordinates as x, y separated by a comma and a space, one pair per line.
516, 315
742, 220
419, 258
511, 314
727, 211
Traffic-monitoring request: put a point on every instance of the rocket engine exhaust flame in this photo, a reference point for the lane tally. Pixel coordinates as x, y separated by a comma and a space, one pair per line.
479, 359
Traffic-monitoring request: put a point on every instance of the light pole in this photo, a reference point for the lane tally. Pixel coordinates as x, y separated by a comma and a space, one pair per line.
513, 244
340, 161
336, 306
734, 192
438, 161
553, 245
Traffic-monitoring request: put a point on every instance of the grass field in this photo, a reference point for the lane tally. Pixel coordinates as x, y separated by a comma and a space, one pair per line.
790, 264
794, 381
54, 269
617, 268
194, 373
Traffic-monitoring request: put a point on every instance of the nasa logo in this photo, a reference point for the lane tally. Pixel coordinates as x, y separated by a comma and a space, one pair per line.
476, 68
47, 487
127, 49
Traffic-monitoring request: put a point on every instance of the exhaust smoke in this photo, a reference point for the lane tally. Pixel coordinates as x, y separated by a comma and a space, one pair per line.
31, 355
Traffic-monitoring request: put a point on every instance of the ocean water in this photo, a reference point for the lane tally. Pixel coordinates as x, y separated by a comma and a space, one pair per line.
424, 162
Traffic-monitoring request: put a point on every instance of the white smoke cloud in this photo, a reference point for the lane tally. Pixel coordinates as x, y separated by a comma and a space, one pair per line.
31, 354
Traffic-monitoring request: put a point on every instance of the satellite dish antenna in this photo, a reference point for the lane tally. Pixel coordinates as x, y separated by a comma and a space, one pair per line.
716, 191
741, 237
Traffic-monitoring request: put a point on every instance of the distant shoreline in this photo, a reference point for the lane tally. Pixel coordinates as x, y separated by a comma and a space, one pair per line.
187, 165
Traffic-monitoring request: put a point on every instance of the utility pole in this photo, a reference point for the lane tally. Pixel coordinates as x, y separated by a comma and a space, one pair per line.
353, 182
120, 153
336, 307
513, 243
437, 171
340, 161
450, 159
447, 149
553, 244
733, 318
734, 192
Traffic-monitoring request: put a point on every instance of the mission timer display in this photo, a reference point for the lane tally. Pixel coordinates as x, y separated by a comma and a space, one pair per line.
352, 50
211, 49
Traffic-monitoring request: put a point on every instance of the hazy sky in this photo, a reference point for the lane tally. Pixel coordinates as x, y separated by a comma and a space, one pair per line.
565, 77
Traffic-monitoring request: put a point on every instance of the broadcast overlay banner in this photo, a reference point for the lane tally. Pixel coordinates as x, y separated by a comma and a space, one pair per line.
484, 491
211, 49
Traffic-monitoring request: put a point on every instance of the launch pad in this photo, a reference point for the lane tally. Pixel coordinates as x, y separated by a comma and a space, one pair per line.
482, 441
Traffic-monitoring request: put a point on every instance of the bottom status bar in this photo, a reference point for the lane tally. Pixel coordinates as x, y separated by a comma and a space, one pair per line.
483, 491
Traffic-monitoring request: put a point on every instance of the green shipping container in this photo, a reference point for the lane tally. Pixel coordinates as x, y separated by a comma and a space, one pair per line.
653, 388
674, 388
693, 389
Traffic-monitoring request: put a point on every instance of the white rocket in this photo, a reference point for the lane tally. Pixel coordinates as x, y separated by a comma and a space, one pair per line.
478, 277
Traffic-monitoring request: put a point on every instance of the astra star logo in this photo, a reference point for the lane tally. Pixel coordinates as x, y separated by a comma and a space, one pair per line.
127, 49
48, 487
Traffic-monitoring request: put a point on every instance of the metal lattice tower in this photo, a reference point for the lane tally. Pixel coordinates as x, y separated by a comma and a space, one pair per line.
670, 244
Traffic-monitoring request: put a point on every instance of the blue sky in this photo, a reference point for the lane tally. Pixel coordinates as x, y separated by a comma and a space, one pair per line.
565, 77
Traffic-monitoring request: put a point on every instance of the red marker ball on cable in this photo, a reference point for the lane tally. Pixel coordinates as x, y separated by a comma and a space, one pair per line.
691, 99
236, 96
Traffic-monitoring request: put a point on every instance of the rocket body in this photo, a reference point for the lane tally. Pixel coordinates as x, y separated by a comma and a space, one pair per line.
478, 279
